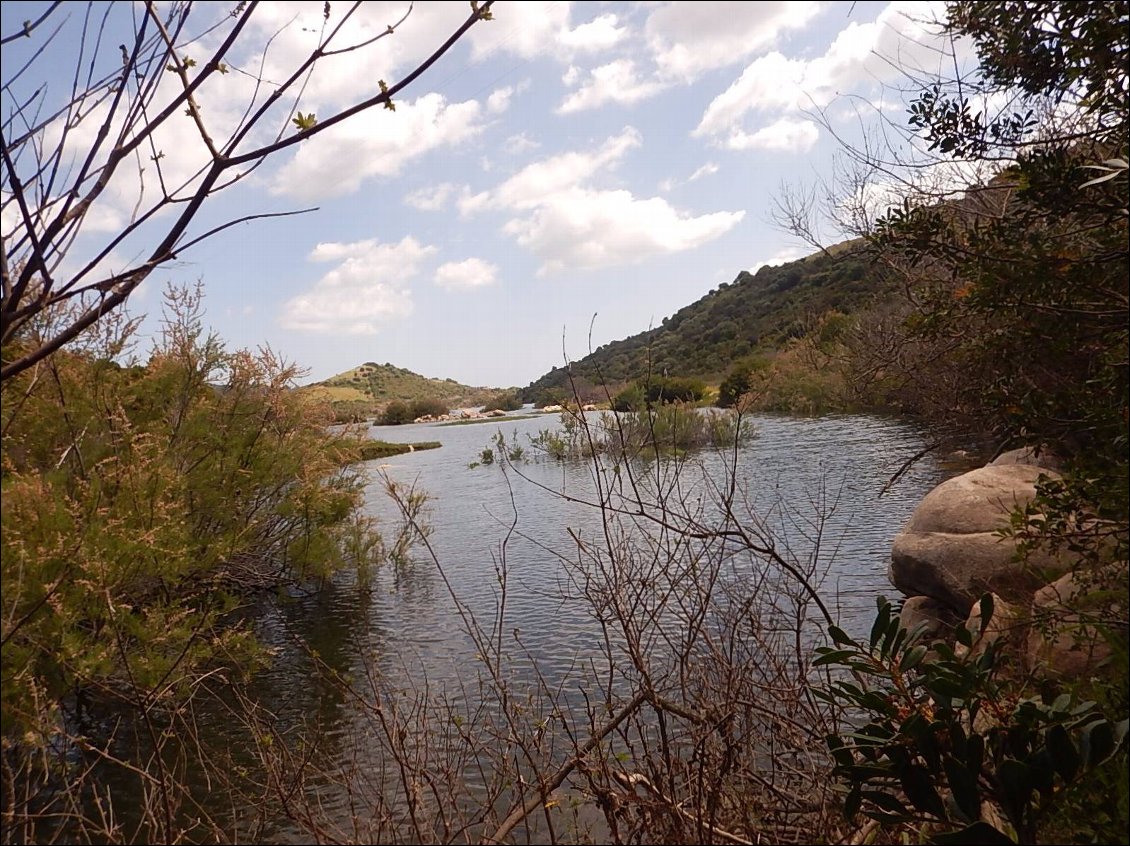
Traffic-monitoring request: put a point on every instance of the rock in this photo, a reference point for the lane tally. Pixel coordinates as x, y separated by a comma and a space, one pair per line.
950, 549
498, 412
937, 619
1033, 456
589, 407
552, 408
1007, 622
1061, 642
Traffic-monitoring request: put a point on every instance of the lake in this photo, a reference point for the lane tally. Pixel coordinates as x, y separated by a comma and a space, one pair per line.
415, 702
815, 485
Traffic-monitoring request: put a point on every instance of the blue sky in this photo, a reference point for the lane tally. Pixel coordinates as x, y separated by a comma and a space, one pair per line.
565, 160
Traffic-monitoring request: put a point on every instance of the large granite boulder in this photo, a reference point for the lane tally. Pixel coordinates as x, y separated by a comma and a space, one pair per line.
1063, 640
937, 619
950, 549
1029, 455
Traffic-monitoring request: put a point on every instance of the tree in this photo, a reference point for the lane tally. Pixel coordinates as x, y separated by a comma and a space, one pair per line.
1018, 282
123, 112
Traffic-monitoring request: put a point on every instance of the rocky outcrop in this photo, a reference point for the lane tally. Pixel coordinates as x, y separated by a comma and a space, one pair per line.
952, 550
1063, 639
936, 618
1030, 456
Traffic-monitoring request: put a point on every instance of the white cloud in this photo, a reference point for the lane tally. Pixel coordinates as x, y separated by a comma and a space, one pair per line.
377, 143
466, 275
671, 183
368, 287
899, 40
567, 222
534, 182
520, 143
708, 169
431, 197
688, 39
585, 228
534, 30
783, 136
615, 82
782, 256
499, 100
598, 34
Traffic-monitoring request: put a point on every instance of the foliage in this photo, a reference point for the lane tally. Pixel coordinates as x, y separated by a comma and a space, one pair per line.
429, 407
399, 412
755, 314
631, 398
673, 429
945, 743
362, 391
368, 450
396, 413
139, 501
659, 391
739, 380
506, 401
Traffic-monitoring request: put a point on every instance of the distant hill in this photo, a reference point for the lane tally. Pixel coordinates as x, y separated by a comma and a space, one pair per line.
755, 313
367, 388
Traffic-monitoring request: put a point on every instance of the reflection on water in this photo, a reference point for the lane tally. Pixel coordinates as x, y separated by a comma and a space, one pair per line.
795, 470
815, 483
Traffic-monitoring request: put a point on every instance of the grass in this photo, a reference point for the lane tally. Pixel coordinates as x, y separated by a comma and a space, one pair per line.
383, 449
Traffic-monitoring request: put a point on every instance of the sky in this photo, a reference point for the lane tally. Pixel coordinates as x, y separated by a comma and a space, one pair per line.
568, 175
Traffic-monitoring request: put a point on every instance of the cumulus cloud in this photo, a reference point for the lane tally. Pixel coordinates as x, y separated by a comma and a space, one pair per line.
466, 275
377, 143
568, 222
708, 169
369, 286
588, 228
902, 37
432, 197
783, 136
688, 39
533, 30
615, 82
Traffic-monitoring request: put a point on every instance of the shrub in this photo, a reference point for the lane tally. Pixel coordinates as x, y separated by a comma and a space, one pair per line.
139, 502
428, 407
632, 398
397, 413
507, 401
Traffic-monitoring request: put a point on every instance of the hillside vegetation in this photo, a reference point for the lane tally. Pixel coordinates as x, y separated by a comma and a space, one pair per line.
756, 313
366, 389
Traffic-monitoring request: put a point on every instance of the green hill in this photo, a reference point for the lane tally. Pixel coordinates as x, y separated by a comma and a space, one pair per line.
365, 389
755, 313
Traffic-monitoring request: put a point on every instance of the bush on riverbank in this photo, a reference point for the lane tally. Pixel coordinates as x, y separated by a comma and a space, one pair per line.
140, 502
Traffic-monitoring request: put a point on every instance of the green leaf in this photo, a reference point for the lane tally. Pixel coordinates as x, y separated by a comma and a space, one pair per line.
986, 610
912, 658
840, 637
832, 656
963, 785
964, 637
304, 122
1096, 743
1065, 758
919, 789
886, 802
1016, 785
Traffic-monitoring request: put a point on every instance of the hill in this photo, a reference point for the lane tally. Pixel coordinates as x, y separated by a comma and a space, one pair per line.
755, 313
365, 389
